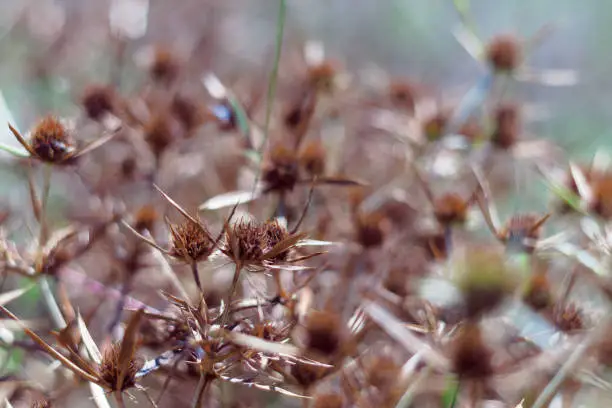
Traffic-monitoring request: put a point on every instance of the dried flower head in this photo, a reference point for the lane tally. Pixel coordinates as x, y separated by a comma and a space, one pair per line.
187, 112
451, 208
402, 95
110, 368
471, 357
274, 234
568, 317
312, 158
42, 403
602, 195
51, 140
370, 231
98, 101
503, 53
281, 172
324, 332
190, 241
523, 227
322, 76
328, 401
383, 371
507, 126
164, 68
145, 218
538, 293
159, 134
484, 279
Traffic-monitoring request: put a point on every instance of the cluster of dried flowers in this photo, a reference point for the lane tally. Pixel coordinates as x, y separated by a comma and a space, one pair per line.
349, 271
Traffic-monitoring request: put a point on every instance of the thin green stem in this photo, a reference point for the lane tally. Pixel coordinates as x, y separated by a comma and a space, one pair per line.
280, 30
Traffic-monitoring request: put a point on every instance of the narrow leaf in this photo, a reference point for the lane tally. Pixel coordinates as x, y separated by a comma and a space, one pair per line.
128, 346
7, 297
88, 341
177, 206
14, 151
229, 199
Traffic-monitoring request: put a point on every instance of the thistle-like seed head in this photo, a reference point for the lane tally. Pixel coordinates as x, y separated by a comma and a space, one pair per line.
42, 403
165, 68
190, 241
322, 76
110, 367
159, 134
145, 218
507, 126
312, 158
450, 208
370, 231
568, 317
503, 53
402, 95
98, 101
324, 332
244, 241
275, 233
382, 372
485, 280
538, 294
281, 171
520, 227
51, 140
471, 357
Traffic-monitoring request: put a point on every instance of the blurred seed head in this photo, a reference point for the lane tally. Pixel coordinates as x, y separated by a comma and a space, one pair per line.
98, 101
383, 371
281, 173
324, 332
507, 126
165, 67
159, 134
403, 95
187, 112
370, 231
538, 292
568, 317
145, 218
312, 158
471, 357
322, 76
504, 53
484, 279
602, 189
450, 209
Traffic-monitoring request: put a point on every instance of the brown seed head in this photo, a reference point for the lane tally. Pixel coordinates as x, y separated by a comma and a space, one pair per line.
383, 372
98, 101
145, 219
405, 269
370, 231
602, 192
186, 111
450, 208
190, 241
245, 241
470, 355
485, 280
434, 126
275, 233
507, 126
538, 294
520, 227
164, 333
402, 95
281, 171
322, 76
324, 332
308, 374
110, 367
51, 140
165, 68
312, 158
568, 318
329, 401
503, 53
159, 134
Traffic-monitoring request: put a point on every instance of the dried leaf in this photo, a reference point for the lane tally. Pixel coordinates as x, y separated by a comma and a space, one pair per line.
128, 346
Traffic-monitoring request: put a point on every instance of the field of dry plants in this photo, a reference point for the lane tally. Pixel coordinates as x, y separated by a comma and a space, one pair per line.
297, 234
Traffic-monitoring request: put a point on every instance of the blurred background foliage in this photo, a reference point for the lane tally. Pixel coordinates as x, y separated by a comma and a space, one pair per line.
51, 49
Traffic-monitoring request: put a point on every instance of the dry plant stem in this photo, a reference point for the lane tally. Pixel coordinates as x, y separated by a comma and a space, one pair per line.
42, 240
196, 274
203, 384
119, 398
50, 302
230, 295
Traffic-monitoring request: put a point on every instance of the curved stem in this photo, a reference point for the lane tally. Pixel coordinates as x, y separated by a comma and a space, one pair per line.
230, 295
205, 380
196, 274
